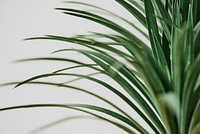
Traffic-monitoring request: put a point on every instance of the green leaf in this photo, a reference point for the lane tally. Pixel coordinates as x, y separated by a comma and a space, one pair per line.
195, 120
139, 16
197, 39
153, 29
189, 87
138, 4
169, 109
85, 43
92, 107
123, 97
195, 7
162, 12
78, 66
52, 59
115, 15
77, 88
128, 88
103, 21
74, 106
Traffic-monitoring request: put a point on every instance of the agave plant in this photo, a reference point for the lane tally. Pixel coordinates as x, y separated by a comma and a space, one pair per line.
162, 78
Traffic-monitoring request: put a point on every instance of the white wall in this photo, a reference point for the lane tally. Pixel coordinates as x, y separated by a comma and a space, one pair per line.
21, 19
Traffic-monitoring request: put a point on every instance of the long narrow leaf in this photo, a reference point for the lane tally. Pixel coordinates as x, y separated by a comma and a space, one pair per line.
92, 107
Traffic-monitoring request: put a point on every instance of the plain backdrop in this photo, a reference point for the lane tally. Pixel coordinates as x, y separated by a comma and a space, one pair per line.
20, 19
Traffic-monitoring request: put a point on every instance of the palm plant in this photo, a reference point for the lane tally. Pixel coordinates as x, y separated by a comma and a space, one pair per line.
162, 78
